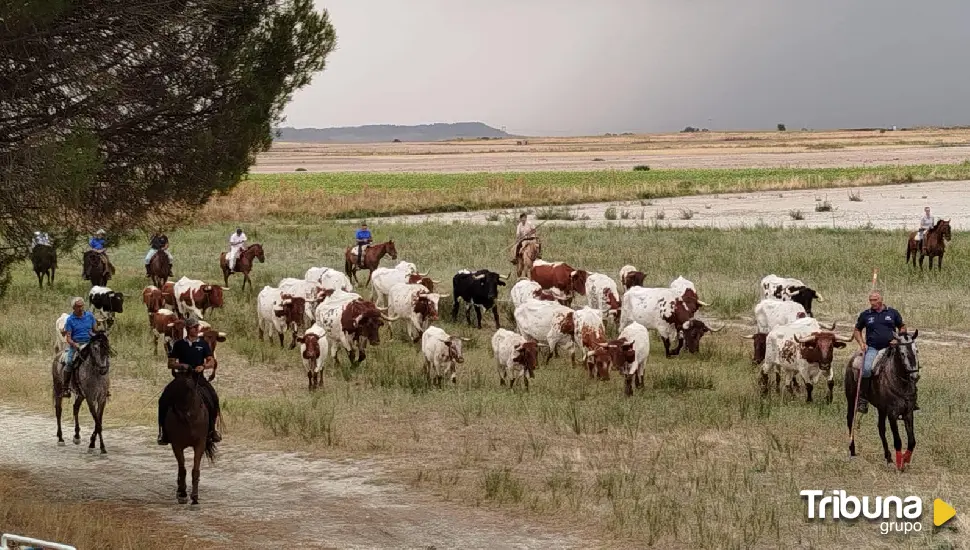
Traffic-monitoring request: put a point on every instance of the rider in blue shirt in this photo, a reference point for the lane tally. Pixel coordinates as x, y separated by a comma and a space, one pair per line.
97, 242
77, 331
363, 238
880, 322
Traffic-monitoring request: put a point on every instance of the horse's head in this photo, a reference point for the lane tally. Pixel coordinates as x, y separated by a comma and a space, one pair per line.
943, 226
257, 252
100, 352
906, 355
390, 249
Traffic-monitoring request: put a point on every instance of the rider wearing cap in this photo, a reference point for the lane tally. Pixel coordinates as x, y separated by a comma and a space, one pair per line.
194, 355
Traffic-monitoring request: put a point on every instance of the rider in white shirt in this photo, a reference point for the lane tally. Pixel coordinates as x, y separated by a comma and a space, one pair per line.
237, 243
925, 224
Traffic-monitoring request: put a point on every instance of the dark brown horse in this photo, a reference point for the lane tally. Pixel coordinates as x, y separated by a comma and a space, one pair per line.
160, 268
244, 263
90, 383
97, 268
370, 259
44, 260
893, 394
933, 244
186, 425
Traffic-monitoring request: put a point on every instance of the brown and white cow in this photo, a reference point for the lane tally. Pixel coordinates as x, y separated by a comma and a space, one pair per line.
166, 325
627, 354
526, 290
415, 305
602, 295
350, 325
211, 337
630, 277
313, 351
515, 357
548, 323
442, 354
384, 278
195, 297
804, 349
588, 334
278, 312
664, 310
153, 300
560, 275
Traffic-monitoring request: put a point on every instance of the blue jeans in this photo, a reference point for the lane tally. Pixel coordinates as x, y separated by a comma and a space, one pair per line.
867, 361
69, 364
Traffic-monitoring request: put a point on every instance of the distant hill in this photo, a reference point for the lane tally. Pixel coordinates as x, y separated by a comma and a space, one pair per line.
389, 132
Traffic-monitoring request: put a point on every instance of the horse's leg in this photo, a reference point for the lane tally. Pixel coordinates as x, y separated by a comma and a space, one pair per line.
93, 409
101, 425
495, 314
180, 457
850, 398
77, 426
478, 315
910, 437
57, 411
882, 435
197, 453
897, 441
40, 279
369, 273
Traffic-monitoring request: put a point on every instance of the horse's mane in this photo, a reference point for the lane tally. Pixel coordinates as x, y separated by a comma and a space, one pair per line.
893, 387
938, 223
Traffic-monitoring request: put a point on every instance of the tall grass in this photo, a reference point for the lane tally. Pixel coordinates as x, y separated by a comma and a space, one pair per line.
352, 195
696, 459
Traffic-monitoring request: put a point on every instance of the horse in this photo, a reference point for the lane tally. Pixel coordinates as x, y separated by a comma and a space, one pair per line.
90, 383
186, 424
160, 268
370, 259
44, 259
893, 393
244, 264
97, 268
528, 254
932, 243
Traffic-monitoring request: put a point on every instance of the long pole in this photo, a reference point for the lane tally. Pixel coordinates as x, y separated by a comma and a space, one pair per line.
858, 385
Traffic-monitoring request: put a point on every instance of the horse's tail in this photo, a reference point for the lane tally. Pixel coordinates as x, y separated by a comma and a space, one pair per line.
909, 248
210, 450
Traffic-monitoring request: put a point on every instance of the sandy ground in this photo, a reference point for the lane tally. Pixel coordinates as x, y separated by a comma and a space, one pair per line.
882, 207
263, 500
317, 158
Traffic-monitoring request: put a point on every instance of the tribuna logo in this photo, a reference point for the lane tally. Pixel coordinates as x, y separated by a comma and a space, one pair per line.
897, 514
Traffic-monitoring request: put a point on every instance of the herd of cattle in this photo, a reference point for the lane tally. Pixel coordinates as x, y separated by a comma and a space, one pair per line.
324, 315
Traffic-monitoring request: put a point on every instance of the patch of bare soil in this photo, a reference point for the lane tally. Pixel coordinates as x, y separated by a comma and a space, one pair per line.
263, 500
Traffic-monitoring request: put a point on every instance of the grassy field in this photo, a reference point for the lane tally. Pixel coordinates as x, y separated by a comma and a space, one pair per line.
349, 195
698, 459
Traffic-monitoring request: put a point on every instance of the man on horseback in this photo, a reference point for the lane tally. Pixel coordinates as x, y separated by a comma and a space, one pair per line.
363, 238
97, 245
40, 238
237, 245
77, 331
194, 355
879, 322
159, 241
525, 231
925, 224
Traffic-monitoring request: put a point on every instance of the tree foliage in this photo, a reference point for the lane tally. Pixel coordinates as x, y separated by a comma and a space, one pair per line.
126, 114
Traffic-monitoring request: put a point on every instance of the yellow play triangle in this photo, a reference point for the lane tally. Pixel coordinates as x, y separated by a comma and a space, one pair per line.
942, 512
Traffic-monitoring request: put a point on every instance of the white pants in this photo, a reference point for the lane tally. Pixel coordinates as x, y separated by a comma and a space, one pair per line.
233, 254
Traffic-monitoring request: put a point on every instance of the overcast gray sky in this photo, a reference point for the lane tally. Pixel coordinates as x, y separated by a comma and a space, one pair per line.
575, 67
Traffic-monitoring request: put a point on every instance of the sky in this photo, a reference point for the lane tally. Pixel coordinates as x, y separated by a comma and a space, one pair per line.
572, 67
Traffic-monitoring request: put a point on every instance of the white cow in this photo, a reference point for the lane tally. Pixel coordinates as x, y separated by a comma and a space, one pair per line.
515, 357
407, 267
602, 294
588, 332
789, 290
313, 351
664, 310
415, 305
442, 353
278, 312
329, 279
384, 278
630, 277
801, 348
548, 323
627, 354
187, 285
770, 313
527, 289
680, 283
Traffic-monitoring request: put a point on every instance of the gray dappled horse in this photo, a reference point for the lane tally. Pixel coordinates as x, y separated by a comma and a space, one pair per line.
90, 383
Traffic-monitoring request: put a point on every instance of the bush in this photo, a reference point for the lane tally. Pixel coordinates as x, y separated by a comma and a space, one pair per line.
641, 168
610, 213
781, 127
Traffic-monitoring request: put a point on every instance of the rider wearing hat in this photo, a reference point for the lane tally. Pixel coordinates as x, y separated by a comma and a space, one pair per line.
191, 354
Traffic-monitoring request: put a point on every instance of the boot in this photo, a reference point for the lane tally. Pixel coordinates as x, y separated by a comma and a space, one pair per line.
863, 394
148, 270
66, 387
162, 440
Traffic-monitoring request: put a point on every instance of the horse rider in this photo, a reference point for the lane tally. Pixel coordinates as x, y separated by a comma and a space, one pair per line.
880, 322
925, 224
524, 231
97, 245
363, 238
77, 331
40, 238
237, 245
158, 242
194, 355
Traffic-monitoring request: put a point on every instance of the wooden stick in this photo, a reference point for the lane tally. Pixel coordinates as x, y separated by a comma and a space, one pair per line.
858, 387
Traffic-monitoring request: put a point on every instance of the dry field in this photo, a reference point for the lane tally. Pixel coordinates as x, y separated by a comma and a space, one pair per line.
792, 149
379, 459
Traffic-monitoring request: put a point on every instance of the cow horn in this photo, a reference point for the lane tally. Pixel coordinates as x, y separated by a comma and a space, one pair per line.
436, 281
224, 287
700, 303
808, 340
718, 329
426, 273
388, 318
833, 325
819, 297
222, 334
444, 295
381, 309
843, 338
463, 339
748, 336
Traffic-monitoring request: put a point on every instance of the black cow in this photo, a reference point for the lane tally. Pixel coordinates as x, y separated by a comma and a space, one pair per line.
106, 301
479, 289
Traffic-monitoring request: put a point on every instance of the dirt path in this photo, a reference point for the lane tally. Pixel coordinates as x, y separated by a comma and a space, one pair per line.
881, 207
318, 158
264, 500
